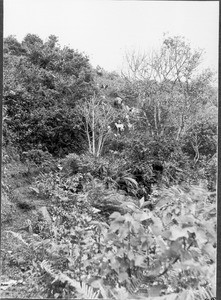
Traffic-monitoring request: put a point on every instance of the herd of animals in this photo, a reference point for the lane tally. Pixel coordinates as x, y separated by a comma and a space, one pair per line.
119, 126
123, 126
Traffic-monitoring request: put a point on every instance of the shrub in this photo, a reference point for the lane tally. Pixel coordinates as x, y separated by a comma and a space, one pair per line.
10, 154
38, 161
36, 155
172, 247
42, 85
100, 167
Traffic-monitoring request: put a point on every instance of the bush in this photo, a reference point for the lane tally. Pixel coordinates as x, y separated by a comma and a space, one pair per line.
74, 163
38, 161
203, 137
36, 156
100, 167
10, 154
172, 247
42, 85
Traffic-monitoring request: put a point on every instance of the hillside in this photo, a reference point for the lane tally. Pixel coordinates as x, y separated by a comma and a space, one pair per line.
109, 181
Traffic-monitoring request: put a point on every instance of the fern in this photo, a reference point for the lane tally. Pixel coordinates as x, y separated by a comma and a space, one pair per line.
135, 283
120, 293
182, 296
131, 180
103, 291
83, 289
18, 236
86, 291
202, 294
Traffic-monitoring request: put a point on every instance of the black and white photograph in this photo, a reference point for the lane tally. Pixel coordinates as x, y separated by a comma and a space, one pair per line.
109, 150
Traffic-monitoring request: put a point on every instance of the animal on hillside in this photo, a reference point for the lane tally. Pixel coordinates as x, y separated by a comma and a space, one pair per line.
109, 130
134, 110
99, 71
127, 108
118, 102
119, 126
130, 126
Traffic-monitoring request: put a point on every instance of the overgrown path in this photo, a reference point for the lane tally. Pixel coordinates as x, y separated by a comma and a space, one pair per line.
20, 208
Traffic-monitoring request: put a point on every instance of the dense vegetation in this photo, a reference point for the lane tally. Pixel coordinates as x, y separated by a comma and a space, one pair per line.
124, 167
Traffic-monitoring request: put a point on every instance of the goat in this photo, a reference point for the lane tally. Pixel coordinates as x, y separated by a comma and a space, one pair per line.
118, 102
119, 126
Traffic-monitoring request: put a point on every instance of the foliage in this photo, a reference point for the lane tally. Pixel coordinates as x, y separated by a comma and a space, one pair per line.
99, 167
128, 213
37, 156
165, 250
211, 172
174, 60
110, 85
201, 138
167, 88
42, 84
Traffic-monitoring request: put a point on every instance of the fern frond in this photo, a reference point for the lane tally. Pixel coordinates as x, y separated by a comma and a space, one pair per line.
202, 294
18, 236
135, 283
173, 296
87, 291
103, 292
131, 180
120, 293
83, 289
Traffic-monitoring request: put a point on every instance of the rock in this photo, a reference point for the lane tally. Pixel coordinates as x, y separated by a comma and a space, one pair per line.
44, 214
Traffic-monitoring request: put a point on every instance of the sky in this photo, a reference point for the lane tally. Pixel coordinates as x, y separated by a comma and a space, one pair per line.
105, 29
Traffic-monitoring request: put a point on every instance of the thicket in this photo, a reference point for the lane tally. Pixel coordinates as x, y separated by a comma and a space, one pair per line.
129, 213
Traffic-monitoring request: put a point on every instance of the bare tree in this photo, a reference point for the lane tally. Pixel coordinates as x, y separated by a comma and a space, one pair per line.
171, 69
96, 116
174, 61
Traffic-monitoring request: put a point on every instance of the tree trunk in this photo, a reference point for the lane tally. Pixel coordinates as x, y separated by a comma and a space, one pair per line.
88, 138
93, 129
197, 154
156, 119
180, 128
99, 147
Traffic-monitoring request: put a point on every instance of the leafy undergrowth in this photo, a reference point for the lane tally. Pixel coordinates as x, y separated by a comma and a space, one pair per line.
112, 217
72, 248
19, 208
